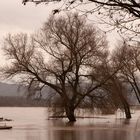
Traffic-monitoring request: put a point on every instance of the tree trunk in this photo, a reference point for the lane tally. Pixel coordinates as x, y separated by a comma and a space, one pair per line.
70, 113
127, 110
126, 107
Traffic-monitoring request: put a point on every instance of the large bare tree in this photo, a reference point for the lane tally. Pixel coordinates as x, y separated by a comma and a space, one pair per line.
62, 55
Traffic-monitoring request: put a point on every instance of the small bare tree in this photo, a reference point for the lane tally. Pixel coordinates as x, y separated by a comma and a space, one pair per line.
128, 56
114, 90
61, 56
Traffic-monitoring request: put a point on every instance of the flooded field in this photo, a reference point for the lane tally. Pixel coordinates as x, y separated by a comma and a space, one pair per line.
33, 124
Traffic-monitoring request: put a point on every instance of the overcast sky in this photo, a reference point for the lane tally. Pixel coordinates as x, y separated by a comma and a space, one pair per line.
15, 17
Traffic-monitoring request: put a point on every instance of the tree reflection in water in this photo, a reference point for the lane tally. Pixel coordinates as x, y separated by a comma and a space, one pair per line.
91, 135
69, 131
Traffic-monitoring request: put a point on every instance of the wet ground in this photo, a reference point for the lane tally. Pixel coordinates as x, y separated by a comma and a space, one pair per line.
33, 124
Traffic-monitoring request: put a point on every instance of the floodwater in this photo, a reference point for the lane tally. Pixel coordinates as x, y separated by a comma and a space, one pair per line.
33, 124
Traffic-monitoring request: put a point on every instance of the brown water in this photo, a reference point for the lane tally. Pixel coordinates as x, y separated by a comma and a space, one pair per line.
32, 124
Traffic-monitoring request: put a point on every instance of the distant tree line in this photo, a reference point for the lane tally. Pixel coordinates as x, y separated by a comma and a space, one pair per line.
7, 101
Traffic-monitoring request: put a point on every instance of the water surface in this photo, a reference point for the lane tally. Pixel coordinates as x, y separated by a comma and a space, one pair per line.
33, 124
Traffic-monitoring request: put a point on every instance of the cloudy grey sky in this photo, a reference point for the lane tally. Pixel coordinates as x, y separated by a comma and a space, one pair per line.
15, 17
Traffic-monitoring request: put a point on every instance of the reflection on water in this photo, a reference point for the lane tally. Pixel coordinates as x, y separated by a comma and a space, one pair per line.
95, 132
91, 135
32, 124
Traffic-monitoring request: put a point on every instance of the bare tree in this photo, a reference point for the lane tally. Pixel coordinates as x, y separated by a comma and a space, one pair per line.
61, 56
131, 6
118, 93
121, 14
118, 14
114, 90
128, 56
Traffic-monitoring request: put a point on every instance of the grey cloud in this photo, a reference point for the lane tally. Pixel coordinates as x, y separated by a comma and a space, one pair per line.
14, 14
